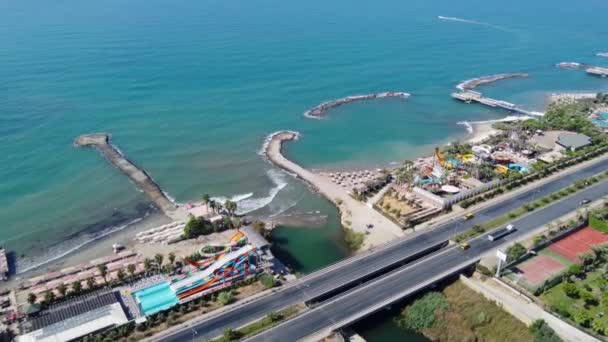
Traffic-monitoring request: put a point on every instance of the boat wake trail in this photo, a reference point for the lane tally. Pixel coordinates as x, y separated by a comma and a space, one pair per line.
474, 22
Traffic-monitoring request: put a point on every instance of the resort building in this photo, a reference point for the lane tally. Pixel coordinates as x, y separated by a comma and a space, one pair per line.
573, 141
76, 318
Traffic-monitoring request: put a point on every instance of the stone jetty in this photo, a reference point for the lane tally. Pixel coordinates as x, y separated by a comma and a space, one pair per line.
354, 214
597, 71
101, 141
320, 110
476, 82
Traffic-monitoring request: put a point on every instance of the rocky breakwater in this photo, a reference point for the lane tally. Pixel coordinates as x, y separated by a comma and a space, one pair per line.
320, 110
476, 82
101, 141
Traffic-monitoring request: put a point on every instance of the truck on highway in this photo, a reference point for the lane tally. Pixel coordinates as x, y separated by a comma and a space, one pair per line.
498, 233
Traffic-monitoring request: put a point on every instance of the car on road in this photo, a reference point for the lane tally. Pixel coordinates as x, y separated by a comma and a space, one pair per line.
585, 201
468, 216
465, 246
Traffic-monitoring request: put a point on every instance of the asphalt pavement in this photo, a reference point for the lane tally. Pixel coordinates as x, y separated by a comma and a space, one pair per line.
373, 295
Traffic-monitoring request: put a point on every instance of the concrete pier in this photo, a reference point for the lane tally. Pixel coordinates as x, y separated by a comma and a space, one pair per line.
101, 141
469, 96
319, 111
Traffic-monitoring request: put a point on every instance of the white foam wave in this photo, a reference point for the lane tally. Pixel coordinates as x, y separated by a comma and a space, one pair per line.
474, 22
602, 54
62, 250
468, 126
262, 150
505, 119
236, 198
251, 204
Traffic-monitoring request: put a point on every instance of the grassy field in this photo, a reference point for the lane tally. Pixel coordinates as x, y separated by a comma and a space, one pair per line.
470, 317
575, 308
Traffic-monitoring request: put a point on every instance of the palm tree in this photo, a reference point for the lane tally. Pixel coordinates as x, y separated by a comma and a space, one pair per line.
103, 271
49, 297
31, 298
90, 283
213, 205
131, 269
171, 258
76, 287
206, 199
62, 289
121, 275
147, 265
159, 260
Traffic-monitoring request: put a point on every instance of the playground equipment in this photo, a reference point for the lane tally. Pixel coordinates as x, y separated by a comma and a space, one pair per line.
232, 266
501, 169
466, 158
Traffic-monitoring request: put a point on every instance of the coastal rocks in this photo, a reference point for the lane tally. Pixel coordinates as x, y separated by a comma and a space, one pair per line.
101, 141
476, 82
569, 65
320, 110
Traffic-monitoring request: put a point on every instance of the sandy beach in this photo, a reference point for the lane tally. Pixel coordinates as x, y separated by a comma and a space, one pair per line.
94, 249
353, 213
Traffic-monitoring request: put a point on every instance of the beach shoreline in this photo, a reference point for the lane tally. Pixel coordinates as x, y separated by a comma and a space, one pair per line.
354, 215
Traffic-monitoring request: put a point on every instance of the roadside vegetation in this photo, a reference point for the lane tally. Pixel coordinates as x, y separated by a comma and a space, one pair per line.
457, 313
542, 332
272, 319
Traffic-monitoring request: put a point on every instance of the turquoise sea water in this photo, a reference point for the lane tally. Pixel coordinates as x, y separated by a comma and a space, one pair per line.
189, 91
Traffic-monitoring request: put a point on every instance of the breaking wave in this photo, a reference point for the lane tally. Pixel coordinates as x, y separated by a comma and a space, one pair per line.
246, 203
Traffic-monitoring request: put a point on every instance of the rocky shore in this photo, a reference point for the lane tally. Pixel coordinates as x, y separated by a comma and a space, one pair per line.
320, 110
476, 82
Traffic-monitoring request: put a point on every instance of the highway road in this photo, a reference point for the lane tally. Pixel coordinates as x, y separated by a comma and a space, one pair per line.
356, 268
372, 296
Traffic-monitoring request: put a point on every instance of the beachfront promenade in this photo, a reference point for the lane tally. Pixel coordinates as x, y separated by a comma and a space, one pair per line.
101, 141
359, 214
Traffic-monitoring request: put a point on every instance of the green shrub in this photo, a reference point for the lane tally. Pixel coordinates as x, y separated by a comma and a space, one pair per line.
542, 332
354, 240
421, 313
267, 280
515, 251
225, 297
571, 290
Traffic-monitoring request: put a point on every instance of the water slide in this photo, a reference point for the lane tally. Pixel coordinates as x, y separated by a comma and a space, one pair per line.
441, 160
200, 281
198, 289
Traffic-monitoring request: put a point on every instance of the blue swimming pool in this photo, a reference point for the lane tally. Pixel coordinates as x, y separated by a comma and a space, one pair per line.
155, 298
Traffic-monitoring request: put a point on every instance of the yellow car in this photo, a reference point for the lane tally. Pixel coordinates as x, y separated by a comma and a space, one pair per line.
468, 216
465, 246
